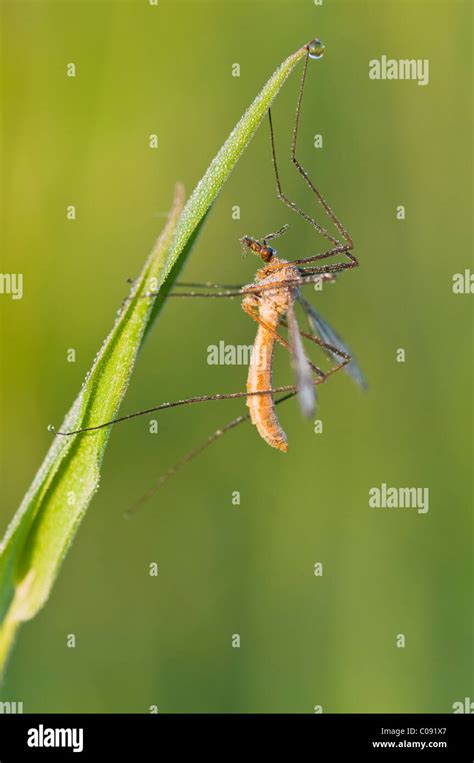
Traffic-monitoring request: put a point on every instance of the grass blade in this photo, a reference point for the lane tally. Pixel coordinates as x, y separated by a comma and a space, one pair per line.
42, 530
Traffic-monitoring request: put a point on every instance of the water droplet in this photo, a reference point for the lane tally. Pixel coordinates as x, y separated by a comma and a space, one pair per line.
51, 428
315, 49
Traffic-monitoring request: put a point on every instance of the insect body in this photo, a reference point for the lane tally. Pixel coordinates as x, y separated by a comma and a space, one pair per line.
267, 308
270, 302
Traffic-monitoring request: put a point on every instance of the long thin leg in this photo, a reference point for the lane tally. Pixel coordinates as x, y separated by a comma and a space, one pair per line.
332, 216
325, 346
322, 375
313, 276
248, 309
189, 294
340, 248
223, 430
177, 404
255, 317
287, 201
235, 290
346, 358
190, 456
206, 285
330, 339
308, 275
183, 461
302, 364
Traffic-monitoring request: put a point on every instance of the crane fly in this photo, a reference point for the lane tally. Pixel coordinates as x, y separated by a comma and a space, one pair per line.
270, 301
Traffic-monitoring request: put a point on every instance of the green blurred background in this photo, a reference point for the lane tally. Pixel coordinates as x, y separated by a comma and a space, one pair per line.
247, 569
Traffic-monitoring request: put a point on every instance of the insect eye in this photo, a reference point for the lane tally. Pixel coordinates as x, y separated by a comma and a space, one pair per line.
267, 253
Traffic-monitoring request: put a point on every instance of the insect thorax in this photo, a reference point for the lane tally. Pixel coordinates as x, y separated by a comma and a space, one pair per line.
283, 295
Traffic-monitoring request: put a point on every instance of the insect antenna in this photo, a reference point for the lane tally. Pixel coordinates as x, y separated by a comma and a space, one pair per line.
276, 233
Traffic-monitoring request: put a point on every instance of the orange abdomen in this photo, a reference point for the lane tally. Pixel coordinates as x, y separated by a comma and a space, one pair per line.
261, 407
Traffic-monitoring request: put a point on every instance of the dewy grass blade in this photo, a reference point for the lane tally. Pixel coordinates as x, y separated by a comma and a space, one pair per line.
41, 531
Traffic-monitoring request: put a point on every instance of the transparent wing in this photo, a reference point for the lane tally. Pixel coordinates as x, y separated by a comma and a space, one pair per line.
320, 327
304, 375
